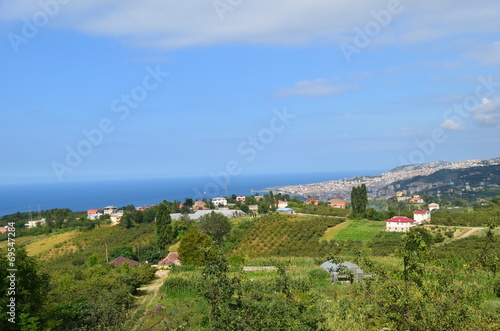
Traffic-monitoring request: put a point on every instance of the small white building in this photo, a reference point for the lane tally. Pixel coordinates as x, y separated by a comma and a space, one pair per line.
34, 224
94, 214
109, 210
240, 198
433, 206
219, 201
116, 217
399, 224
282, 204
422, 216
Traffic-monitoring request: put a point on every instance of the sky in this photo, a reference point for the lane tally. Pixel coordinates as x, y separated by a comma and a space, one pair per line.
117, 89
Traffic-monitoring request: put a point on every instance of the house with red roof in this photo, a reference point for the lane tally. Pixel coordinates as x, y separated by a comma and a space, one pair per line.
4, 229
399, 224
241, 198
312, 201
422, 216
282, 204
171, 259
336, 202
93, 214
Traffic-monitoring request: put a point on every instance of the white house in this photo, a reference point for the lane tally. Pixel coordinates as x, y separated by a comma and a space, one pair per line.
433, 206
109, 210
421, 216
93, 214
219, 201
399, 224
116, 217
240, 198
34, 224
282, 204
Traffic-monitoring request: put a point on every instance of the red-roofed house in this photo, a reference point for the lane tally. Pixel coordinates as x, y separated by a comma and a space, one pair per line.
120, 260
399, 224
199, 205
3, 229
422, 216
93, 214
144, 208
311, 201
241, 198
171, 259
336, 202
282, 204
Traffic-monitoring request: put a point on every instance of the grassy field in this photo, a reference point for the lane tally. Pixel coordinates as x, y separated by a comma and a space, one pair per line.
36, 245
363, 230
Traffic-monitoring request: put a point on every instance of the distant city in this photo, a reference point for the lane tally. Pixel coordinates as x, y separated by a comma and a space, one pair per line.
381, 185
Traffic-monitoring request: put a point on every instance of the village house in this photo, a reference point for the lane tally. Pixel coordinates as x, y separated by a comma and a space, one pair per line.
240, 198
422, 216
93, 214
171, 259
108, 210
116, 217
120, 260
336, 202
399, 224
312, 201
219, 201
433, 206
4, 229
34, 224
199, 205
144, 208
282, 204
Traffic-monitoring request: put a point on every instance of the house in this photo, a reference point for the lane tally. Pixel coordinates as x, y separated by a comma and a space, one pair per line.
416, 200
399, 224
116, 217
200, 213
219, 201
93, 214
253, 209
312, 201
403, 199
34, 224
199, 205
421, 216
336, 202
108, 210
171, 259
282, 204
433, 206
240, 198
143, 208
4, 229
258, 197
344, 272
120, 260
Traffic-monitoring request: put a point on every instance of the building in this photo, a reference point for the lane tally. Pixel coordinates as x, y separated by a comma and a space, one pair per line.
120, 260
240, 198
34, 224
199, 205
422, 216
171, 259
200, 213
109, 210
433, 206
336, 202
399, 224
143, 208
4, 229
282, 204
285, 210
417, 200
116, 217
253, 209
312, 201
219, 201
93, 214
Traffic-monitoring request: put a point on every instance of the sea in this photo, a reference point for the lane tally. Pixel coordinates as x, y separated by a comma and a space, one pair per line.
81, 196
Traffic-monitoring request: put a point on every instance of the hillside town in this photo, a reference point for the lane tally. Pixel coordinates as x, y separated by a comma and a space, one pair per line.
382, 185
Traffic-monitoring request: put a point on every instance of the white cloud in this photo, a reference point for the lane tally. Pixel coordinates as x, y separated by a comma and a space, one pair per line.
451, 125
488, 113
174, 24
313, 88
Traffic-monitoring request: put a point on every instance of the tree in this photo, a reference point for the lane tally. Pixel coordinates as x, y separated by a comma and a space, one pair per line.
29, 292
125, 251
192, 247
215, 225
164, 233
359, 200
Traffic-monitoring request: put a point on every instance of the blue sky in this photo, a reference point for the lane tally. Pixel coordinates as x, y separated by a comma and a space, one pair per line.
127, 89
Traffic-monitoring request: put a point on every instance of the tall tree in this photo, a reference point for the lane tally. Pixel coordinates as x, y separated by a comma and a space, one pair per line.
193, 246
164, 232
359, 200
215, 225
